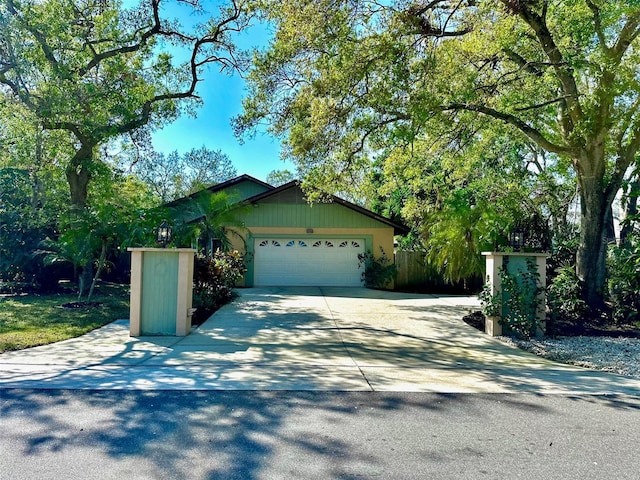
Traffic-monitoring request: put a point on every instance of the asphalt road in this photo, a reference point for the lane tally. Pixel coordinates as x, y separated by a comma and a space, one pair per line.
58, 434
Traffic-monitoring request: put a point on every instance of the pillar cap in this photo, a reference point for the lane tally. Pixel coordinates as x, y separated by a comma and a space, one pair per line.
156, 249
515, 254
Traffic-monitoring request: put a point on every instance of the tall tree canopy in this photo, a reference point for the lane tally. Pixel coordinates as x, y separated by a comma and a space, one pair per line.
343, 80
174, 175
280, 177
93, 69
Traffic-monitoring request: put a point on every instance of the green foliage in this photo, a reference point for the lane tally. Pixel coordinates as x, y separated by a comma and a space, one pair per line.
624, 280
32, 194
280, 177
565, 298
378, 271
96, 70
214, 280
491, 304
564, 249
18, 235
204, 217
564, 288
518, 302
348, 83
120, 216
463, 202
173, 176
24, 224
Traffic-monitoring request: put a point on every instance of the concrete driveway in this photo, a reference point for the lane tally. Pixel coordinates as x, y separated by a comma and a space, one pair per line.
331, 339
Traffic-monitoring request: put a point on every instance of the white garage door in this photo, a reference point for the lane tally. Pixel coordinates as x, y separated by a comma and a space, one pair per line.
316, 262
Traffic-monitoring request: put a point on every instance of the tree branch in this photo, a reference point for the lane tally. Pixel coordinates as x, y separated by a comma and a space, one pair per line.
540, 105
597, 23
626, 157
628, 34
525, 128
545, 38
67, 126
522, 63
46, 49
425, 27
144, 38
194, 64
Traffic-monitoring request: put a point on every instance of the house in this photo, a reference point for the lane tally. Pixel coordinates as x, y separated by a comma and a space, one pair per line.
291, 242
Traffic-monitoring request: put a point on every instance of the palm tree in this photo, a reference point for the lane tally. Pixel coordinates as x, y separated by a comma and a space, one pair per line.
205, 217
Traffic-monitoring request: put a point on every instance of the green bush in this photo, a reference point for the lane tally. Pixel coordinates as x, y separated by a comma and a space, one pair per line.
624, 281
378, 272
214, 281
23, 227
565, 296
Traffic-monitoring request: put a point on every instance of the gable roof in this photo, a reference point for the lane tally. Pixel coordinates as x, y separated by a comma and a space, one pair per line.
398, 229
219, 187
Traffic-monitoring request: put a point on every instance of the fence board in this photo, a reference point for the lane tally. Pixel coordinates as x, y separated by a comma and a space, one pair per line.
414, 273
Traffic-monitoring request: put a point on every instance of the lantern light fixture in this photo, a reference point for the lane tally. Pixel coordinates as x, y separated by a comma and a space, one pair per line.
163, 234
517, 239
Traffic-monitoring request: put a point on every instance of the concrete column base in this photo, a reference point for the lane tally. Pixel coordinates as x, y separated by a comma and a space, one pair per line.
492, 326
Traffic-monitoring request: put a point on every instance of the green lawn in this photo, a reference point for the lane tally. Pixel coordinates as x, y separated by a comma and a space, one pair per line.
31, 320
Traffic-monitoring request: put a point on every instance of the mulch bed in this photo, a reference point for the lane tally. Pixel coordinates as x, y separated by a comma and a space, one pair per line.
475, 319
561, 328
593, 328
78, 305
201, 315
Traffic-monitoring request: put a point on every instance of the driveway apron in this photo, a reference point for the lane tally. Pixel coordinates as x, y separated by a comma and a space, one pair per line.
309, 338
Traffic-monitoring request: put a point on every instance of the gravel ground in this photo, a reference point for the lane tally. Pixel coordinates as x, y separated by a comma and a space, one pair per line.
617, 355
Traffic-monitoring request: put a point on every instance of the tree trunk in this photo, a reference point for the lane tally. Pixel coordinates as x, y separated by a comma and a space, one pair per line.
85, 278
591, 257
78, 175
37, 189
101, 262
78, 186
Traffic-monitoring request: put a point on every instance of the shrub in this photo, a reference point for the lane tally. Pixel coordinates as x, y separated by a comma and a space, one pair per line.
378, 272
214, 280
563, 251
23, 227
624, 280
565, 296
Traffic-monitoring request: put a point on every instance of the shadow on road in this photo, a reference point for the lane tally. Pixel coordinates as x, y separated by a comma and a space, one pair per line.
250, 435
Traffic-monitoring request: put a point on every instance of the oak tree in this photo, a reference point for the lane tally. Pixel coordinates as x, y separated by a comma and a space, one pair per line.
95, 69
345, 79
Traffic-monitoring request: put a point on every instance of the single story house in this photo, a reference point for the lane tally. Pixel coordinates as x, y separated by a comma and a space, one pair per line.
290, 242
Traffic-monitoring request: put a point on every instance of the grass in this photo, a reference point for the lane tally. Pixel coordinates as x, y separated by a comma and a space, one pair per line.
32, 320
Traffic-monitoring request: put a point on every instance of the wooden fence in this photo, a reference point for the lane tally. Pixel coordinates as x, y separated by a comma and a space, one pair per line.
415, 274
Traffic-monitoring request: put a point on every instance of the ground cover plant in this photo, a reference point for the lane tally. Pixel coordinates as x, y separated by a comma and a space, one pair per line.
32, 320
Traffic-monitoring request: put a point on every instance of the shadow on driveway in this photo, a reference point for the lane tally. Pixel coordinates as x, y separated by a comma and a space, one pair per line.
326, 339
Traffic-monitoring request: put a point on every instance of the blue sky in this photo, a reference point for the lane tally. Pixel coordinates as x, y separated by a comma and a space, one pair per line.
222, 97
222, 100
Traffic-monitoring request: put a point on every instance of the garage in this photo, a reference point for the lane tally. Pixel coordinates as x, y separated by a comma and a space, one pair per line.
288, 241
308, 261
